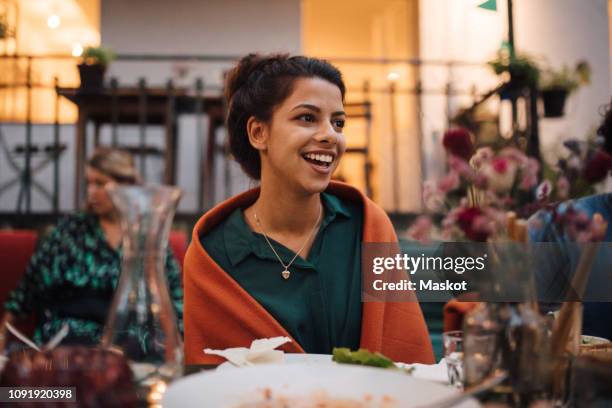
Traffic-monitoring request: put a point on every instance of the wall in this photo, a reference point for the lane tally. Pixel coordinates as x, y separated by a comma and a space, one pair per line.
563, 32
370, 30
188, 27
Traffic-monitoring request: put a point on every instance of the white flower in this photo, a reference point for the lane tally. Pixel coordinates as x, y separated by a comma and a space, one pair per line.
500, 173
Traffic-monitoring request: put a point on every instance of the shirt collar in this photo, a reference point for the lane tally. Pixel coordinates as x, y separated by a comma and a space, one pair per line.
237, 237
240, 241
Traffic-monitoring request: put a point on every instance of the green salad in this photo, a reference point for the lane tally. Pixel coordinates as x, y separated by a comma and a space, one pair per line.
364, 357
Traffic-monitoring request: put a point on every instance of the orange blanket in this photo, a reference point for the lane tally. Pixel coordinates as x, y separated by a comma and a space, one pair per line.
219, 313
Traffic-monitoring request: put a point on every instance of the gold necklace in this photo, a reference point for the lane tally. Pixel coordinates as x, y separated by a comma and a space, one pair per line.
285, 273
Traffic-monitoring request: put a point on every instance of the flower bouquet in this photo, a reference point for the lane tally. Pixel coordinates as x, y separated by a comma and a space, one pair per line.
486, 196
480, 187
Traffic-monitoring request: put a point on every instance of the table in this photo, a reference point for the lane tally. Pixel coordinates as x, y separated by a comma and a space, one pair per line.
143, 106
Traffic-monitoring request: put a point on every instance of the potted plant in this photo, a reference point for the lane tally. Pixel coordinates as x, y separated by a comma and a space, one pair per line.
3, 31
94, 62
521, 71
556, 85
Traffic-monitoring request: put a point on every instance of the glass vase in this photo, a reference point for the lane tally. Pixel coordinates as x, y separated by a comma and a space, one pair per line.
142, 324
505, 331
510, 337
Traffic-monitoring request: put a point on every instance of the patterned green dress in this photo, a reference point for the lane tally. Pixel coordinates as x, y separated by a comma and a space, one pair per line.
71, 279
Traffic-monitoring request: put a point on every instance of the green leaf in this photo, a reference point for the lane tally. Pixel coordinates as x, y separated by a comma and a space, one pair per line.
361, 357
98, 55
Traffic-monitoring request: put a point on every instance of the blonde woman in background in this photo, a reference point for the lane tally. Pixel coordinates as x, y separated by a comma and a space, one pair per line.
74, 271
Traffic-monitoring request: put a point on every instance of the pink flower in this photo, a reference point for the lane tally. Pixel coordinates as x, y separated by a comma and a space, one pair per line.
543, 190
432, 197
528, 182
483, 226
470, 222
563, 188
421, 229
451, 217
514, 154
496, 216
500, 165
460, 166
573, 163
500, 173
482, 155
532, 165
491, 198
458, 142
530, 174
449, 182
507, 202
480, 181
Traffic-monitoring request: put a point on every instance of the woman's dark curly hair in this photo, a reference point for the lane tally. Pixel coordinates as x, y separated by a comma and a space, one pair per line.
605, 129
256, 86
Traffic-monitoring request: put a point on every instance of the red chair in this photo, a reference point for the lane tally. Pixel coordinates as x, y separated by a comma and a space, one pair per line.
16, 249
454, 312
178, 243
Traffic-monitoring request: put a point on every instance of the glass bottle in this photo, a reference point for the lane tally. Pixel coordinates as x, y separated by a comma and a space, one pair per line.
142, 324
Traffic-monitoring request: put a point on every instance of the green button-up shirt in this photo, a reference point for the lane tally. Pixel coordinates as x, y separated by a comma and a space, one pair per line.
320, 303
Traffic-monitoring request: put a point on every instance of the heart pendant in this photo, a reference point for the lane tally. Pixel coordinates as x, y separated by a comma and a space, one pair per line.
286, 274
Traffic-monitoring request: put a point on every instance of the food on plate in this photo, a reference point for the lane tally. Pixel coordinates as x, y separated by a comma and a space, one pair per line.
260, 351
593, 340
361, 357
365, 357
267, 398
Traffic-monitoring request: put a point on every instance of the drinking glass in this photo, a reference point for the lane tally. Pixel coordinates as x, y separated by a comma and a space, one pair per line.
453, 356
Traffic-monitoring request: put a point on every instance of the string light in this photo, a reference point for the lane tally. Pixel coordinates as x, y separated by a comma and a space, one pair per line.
53, 21
393, 76
77, 50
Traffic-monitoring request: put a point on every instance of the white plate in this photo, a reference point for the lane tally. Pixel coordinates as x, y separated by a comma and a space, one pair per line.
591, 340
293, 358
228, 388
434, 372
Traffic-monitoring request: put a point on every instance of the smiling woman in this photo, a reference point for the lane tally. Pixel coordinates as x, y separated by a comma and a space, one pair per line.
284, 259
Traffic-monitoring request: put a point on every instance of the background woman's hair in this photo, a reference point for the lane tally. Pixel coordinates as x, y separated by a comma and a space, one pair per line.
605, 129
256, 86
115, 163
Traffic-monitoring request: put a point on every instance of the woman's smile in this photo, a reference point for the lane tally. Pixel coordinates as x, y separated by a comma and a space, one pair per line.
320, 161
